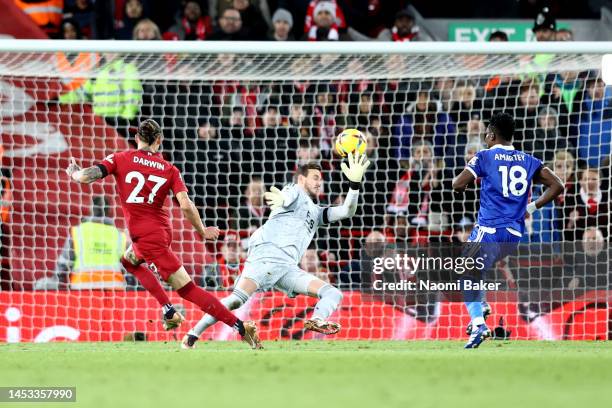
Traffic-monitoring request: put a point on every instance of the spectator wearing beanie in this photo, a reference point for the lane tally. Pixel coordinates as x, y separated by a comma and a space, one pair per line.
282, 23
325, 27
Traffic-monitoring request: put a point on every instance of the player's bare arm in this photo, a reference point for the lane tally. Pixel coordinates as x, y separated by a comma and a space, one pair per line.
191, 213
464, 179
555, 187
83, 176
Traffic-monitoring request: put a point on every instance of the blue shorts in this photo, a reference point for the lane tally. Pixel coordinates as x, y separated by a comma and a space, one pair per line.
491, 244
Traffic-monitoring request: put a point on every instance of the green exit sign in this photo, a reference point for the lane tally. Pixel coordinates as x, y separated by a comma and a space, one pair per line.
480, 30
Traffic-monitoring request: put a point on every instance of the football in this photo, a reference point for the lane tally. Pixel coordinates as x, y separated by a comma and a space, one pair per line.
350, 140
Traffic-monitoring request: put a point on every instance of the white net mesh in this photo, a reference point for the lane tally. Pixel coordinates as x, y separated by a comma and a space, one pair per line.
237, 124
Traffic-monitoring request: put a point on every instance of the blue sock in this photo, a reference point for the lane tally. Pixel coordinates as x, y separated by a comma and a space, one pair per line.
474, 309
473, 303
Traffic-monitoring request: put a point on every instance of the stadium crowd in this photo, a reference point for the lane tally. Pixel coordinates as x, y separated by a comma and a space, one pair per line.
234, 139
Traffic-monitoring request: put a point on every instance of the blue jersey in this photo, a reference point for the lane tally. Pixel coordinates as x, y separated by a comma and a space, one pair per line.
506, 175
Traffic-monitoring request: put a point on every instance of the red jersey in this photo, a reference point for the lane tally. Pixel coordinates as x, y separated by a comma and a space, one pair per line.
144, 180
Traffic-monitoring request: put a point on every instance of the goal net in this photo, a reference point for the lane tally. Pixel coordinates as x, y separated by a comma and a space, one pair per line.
237, 121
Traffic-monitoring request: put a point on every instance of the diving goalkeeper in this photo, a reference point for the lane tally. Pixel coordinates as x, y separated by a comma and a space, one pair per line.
277, 247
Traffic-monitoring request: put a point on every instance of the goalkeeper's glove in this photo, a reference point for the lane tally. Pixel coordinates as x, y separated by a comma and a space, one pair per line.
357, 165
531, 207
274, 198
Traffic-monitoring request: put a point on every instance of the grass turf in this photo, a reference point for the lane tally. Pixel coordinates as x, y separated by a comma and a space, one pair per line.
317, 373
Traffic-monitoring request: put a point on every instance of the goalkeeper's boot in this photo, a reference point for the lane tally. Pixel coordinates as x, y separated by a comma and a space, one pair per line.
478, 335
189, 341
486, 311
171, 323
321, 326
250, 335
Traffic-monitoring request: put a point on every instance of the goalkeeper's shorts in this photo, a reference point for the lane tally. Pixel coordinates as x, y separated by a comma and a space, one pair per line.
287, 278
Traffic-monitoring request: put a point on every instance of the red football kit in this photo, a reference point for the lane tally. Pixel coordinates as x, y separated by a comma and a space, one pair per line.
144, 181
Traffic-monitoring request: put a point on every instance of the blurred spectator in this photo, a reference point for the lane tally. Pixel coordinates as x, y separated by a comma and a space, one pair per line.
282, 22
308, 151
46, 14
548, 224
466, 106
565, 92
337, 16
133, 12
118, 102
70, 30
299, 120
211, 159
275, 147
311, 263
564, 34
404, 29
230, 27
546, 140
216, 8
526, 113
423, 120
82, 12
324, 25
500, 92
564, 165
463, 208
397, 229
595, 127
229, 264
146, 30
544, 26
70, 63
412, 192
498, 36
324, 115
589, 264
444, 92
363, 107
254, 25
591, 205
6, 202
374, 246
192, 25
253, 209
91, 254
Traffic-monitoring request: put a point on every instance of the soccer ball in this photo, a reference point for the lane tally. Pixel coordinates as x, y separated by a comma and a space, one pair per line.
350, 140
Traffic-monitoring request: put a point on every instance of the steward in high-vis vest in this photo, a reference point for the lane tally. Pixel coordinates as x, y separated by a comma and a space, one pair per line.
115, 93
68, 68
92, 253
47, 14
98, 248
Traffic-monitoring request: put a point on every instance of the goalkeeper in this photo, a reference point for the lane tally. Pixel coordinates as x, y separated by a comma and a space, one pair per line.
276, 248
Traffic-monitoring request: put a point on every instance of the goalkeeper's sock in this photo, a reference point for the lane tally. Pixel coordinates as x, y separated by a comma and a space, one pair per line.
209, 304
148, 280
236, 299
330, 299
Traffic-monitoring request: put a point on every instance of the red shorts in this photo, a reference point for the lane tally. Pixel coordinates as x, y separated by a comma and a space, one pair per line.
160, 259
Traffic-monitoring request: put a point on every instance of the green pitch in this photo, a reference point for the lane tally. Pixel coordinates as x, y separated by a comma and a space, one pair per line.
317, 374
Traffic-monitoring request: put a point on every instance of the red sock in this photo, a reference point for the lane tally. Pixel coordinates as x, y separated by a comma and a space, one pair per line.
208, 303
148, 281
